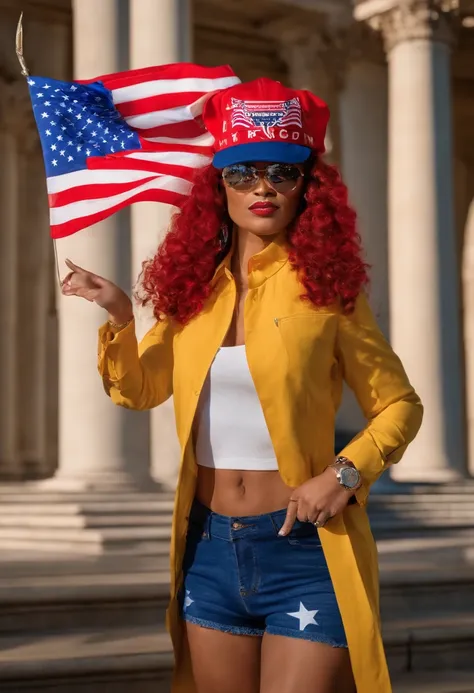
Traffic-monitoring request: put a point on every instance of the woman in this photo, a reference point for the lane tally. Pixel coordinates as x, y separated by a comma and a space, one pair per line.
258, 292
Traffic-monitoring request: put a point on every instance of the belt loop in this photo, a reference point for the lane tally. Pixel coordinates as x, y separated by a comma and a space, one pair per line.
207, 526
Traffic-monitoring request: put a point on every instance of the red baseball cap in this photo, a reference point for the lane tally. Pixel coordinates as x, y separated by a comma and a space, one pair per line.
265, 121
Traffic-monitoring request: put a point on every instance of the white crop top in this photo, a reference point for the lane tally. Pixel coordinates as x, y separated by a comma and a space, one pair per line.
230, 429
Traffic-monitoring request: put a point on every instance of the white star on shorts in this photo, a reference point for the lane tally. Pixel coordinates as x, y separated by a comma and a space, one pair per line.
187, 600
305, 617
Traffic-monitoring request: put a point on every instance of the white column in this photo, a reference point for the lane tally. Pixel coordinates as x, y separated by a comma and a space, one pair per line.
363, 128
424, 302
160, 33
9, 206
315, 62
468, 286
96, 438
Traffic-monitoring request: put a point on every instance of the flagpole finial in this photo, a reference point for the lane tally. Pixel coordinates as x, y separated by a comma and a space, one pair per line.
19, 47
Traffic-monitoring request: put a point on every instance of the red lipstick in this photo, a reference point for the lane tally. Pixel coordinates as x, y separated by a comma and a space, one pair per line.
263, 209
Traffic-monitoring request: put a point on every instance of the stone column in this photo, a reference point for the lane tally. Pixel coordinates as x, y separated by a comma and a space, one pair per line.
468, 286
160, 33
424, 302
99, 443
363, 125
9, 282
315, 59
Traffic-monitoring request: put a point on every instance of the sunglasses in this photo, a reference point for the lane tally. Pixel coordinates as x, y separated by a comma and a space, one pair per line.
244, 177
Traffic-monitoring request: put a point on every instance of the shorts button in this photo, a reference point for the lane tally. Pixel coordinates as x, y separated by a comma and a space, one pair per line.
237, 525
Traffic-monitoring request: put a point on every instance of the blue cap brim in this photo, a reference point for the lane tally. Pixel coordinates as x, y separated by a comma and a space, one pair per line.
277, 152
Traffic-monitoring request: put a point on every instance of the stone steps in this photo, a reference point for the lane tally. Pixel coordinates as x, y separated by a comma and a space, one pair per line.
76, 521
87, 660
34, 518
117, 660
440, 682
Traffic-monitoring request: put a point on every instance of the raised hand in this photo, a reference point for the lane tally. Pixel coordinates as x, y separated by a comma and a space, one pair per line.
96, 289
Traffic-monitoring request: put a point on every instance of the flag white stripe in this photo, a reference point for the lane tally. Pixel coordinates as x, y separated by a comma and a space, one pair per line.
159, 87
164, 117
85, 208
185, 158
67, 181
205, 140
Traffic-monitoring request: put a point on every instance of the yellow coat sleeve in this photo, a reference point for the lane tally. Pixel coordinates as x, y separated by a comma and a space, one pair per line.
390, 404
137, 376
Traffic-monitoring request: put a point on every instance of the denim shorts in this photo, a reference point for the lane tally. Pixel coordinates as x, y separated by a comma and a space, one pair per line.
241, 577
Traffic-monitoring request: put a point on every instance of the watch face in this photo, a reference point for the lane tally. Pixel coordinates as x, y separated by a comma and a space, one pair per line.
350, 477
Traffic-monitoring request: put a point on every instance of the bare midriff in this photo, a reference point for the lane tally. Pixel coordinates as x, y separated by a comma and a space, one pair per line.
241, 493
237, 493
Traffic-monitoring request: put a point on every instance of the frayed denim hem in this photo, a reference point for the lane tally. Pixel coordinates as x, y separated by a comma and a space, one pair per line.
313, 637
234, 630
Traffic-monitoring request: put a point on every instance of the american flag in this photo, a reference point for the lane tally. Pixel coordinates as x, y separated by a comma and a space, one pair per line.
266, 114
122, 138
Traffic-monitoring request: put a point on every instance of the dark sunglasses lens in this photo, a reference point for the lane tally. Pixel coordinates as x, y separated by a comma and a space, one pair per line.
283, 177
240, 176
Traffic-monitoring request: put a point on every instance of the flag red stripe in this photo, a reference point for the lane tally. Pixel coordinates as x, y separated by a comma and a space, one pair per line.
165, 72
184, 130
170, 147
157, 167
95, 191
70, 227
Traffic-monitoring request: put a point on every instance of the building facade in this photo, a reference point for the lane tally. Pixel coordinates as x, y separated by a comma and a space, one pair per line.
398, 77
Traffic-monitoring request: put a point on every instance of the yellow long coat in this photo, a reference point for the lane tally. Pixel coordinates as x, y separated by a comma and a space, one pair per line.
298, 356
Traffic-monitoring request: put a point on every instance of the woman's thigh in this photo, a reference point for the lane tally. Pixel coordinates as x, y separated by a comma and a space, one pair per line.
223, 662
293, 665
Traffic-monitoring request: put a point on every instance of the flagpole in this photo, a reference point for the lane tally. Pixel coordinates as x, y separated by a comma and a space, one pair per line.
26, 73
19, 47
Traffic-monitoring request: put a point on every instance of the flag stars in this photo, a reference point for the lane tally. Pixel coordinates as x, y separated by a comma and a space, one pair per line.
45, 115
69, 110
88, 152
48, 133
89, 121
47, 103
73, 87
46, 86
31, 82
70, 143
54, 162
63, 152
53, 147
40, 95
115, 138
79, 148
70, 158
122, 144
94, 134
59, 138
79, 116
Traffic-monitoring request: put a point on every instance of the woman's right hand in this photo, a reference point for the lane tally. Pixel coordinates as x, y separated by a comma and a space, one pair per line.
96, 289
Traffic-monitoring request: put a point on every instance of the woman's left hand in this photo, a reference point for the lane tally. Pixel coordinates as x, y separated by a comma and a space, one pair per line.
316, 501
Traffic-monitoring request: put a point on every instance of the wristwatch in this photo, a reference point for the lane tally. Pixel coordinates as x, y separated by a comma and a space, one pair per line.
347, 473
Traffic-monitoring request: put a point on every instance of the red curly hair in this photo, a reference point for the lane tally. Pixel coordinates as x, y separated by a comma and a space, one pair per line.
324, 247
